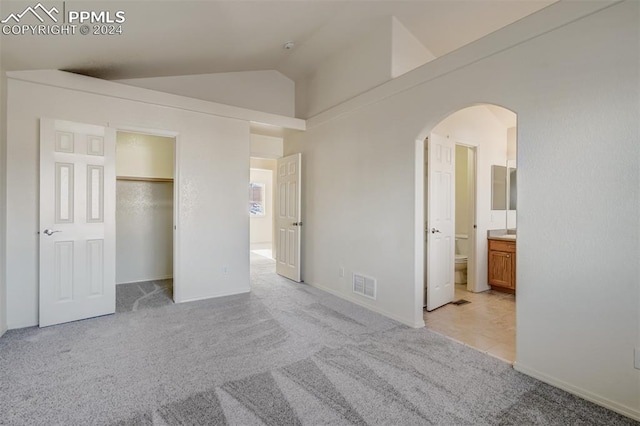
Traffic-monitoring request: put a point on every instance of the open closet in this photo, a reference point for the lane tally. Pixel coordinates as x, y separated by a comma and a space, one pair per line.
144, 220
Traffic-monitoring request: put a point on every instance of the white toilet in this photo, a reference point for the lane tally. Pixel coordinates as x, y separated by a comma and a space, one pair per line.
462, 250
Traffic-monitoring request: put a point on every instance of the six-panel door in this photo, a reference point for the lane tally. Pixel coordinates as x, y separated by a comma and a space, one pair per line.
288, 220
77, 221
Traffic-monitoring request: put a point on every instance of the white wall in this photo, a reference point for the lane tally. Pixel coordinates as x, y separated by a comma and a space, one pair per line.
148, 156
263, 146
261, 227
387, 51
512, 144
577, 271
3, 205
268, 91
212, 238
358, 67
477, 126
463, 207
144, 231
512, 150
406, 50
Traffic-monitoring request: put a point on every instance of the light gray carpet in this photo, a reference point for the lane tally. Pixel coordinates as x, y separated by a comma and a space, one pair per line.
144, 295
286, 354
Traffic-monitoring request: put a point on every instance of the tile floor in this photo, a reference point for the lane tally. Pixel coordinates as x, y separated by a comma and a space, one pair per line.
488, 323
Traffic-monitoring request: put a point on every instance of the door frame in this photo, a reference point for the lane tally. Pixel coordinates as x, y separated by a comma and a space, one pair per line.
273, 203
420, 216
274, 199
474, 216
176, 193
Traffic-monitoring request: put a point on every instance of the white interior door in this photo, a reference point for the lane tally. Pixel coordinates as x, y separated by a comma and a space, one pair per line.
77, 221
440, 221
288, 222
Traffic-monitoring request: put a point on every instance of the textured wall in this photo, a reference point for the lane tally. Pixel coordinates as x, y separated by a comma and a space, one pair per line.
212, 237
268, 91
141, 155
144, 231
3, 203
575, 90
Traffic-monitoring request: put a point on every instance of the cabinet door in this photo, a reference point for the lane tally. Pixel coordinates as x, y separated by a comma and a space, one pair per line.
513, 270
501, 269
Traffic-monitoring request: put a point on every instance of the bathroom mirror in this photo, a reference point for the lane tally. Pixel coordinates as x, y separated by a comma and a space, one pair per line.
504, 184
513, 188
498, 187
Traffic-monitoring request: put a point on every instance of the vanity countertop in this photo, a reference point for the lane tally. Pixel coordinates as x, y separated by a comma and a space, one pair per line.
505, 237
501, 234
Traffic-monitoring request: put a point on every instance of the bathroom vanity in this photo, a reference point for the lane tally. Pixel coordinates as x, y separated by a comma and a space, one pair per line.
502, 262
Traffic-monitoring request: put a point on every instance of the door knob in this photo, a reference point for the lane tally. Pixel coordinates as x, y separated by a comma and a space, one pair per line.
50, 232
434, 230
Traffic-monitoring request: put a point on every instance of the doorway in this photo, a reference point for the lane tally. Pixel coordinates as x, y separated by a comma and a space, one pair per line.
465, 217
145, 216
460, 220
261, 207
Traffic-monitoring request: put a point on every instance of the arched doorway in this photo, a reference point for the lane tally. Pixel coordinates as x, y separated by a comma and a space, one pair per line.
469, 196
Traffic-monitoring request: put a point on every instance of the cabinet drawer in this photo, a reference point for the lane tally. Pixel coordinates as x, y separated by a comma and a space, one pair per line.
499, 245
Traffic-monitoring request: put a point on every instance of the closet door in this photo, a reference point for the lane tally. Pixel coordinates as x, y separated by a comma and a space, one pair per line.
77, 221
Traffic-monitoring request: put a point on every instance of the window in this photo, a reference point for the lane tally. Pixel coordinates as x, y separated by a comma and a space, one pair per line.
256, 199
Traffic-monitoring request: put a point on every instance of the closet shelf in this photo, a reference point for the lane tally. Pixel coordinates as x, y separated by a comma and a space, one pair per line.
144, 179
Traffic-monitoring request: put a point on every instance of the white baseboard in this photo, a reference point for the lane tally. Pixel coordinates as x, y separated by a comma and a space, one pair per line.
261, 246
215, 296
582, 393
166, 277
359, 302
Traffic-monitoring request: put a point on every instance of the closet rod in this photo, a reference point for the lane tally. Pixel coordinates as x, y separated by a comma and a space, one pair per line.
144, 179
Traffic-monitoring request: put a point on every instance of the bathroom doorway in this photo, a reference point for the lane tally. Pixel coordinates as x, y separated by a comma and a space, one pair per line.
465, 217
472, 142
145, 215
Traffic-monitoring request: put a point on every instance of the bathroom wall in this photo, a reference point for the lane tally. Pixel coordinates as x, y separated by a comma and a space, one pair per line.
512, 150
512, 135
462, 190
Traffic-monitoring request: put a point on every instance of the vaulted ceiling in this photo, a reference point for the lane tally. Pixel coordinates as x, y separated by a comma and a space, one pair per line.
163, 38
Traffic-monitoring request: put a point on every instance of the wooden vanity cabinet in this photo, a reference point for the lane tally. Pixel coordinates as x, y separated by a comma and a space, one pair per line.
502, 265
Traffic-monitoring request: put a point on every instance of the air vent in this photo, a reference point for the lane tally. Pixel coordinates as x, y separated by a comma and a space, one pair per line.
364, 286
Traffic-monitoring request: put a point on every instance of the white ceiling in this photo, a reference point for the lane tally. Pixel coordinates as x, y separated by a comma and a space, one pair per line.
178, 38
